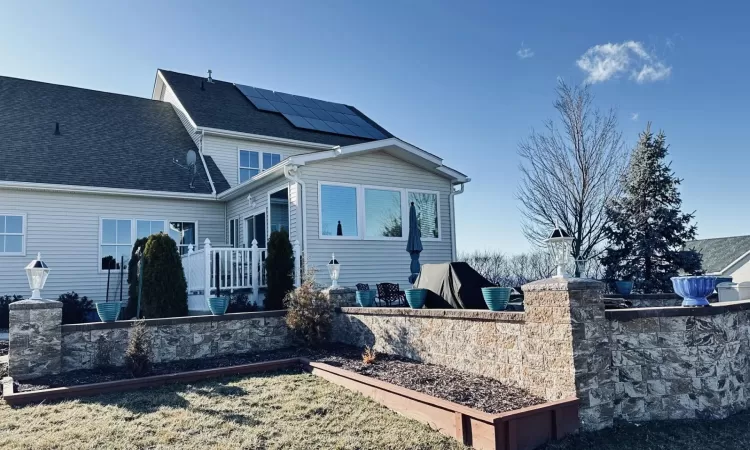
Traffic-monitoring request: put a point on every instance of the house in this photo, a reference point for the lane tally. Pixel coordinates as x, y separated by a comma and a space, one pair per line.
725, 257
83, 174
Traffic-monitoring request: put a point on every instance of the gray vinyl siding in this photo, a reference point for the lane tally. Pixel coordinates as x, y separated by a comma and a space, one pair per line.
240, 208
64, 227
225, 153
372, 261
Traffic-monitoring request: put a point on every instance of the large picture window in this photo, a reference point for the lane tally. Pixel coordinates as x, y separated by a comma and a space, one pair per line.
184, 235
338, 210
116, 242
252, 163
145, 228
12, 234
383, 213
426, 204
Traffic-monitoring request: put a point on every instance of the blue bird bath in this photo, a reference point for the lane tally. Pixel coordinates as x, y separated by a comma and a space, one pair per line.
694, 290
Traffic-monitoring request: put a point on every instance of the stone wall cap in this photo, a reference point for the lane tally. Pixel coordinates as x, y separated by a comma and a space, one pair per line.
677, 311
171, 321
470, 314
34, 304
563, 284
339, 289
660, 296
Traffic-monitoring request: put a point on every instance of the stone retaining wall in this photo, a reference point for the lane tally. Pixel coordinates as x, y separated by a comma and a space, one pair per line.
679, 363
650, 300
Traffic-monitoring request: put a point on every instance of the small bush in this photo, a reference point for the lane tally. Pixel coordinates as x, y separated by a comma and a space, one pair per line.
310, 313
131, 309
138, 354
240, 302
369, 356
164, 285
5, 301
74, 307
279, 270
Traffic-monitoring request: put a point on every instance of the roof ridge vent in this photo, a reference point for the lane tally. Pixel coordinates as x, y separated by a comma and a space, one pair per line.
210, 80
57, 129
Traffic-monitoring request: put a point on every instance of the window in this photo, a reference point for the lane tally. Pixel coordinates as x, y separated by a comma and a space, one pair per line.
184, 234
12, 235
383, 213
234, 233
145, 228
250, 163
338, 210
115, 242
426, 204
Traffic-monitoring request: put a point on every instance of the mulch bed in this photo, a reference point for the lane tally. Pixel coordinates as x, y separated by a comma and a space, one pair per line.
485, 394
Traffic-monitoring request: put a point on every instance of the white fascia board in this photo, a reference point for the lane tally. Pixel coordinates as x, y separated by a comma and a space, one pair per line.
744, 255
267, 139
164, 80
250, 184
102, 190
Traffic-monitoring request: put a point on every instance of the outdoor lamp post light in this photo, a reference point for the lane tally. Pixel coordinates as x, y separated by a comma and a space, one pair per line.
37, 272
334, 269
560, 245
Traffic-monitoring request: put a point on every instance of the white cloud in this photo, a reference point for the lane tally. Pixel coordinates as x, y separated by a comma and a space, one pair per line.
524, 52
634, 116
606, 61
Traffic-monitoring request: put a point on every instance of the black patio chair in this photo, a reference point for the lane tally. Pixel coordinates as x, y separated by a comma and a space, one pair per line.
391, 294
363, 287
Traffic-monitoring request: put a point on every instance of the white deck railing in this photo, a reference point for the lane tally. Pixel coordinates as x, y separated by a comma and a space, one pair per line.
237, 268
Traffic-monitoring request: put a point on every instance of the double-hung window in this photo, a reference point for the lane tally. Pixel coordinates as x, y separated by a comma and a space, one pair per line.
184, 234
351, 211
252, 163
145, 228
116, 243
12, 234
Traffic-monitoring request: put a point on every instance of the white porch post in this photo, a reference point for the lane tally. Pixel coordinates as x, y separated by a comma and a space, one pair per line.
207, 264
295, 247
254, 265
187, 267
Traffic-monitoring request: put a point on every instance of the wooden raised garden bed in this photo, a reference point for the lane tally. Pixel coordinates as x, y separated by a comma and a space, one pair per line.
522, 429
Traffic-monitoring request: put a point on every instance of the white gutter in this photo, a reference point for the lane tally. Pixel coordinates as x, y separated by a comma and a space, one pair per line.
743, 256
266, 139
205, 166
454, 251
265, 174
291, 173
102, 190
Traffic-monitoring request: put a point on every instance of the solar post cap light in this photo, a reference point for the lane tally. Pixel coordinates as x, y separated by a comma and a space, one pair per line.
37, 272
334, 270
559, 243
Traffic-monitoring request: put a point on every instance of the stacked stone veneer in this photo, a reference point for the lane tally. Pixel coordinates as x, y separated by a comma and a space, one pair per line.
39, 345
678, 363
650, 300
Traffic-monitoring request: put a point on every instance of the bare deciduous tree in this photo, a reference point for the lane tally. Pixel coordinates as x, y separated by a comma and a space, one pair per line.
571, 171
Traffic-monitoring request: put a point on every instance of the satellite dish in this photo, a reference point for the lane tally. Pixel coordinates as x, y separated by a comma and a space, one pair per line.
191, 157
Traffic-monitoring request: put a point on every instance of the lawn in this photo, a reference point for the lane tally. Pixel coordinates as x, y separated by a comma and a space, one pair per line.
269, 411
728, 434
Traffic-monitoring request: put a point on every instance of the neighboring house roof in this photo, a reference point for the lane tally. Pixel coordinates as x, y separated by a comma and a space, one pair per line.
220, 105
106, 140
720, 253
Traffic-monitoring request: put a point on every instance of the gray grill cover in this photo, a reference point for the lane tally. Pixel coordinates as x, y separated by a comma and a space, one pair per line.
452, 285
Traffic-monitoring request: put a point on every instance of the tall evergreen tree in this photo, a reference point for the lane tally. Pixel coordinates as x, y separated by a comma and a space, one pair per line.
279, 270
647, 230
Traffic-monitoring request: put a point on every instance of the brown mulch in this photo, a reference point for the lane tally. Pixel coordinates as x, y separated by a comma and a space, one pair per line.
482, 393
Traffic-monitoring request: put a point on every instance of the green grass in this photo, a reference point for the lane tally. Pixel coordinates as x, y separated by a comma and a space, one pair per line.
728, 434
270, 411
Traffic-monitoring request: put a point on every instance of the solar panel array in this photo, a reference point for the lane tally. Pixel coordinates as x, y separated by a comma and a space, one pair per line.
311, 114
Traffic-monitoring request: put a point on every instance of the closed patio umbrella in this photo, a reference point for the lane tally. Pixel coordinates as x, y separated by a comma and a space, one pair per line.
414, 243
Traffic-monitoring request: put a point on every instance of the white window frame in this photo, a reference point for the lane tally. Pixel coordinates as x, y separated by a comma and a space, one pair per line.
439, 218
360, 219
141, 219
236, 235
289, 208
101, 244
23, 234
404, 215
197, 240
260, 167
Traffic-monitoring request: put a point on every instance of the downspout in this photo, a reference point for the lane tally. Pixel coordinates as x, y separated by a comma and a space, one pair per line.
454, 255
291, 173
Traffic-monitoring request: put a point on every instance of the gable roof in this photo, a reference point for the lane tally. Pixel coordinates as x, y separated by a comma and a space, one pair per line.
719, 253
106, 140
220, 105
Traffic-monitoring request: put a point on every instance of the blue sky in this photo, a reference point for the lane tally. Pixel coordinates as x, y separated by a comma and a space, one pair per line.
464, 80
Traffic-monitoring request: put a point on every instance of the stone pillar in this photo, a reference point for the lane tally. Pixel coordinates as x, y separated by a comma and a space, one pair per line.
573, 345
35, 339
341, 296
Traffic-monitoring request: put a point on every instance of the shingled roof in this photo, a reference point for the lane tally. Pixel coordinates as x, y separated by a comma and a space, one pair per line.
718, 253
105, 140
222, 106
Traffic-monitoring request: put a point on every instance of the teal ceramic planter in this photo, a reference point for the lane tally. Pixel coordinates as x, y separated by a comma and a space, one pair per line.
624, 287
496, 298
416, 297
218, 305
366, 299
108, 311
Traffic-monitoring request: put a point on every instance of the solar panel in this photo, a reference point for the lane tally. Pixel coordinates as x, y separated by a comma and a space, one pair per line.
358, 131
249, 91
342, 118
299, 121
320, 125
310, 103
289, 98
269, 95
322, 115
262, 104
358, 121
343, 109
304, 112
374, 132
284, 108
327, 106
339, 128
